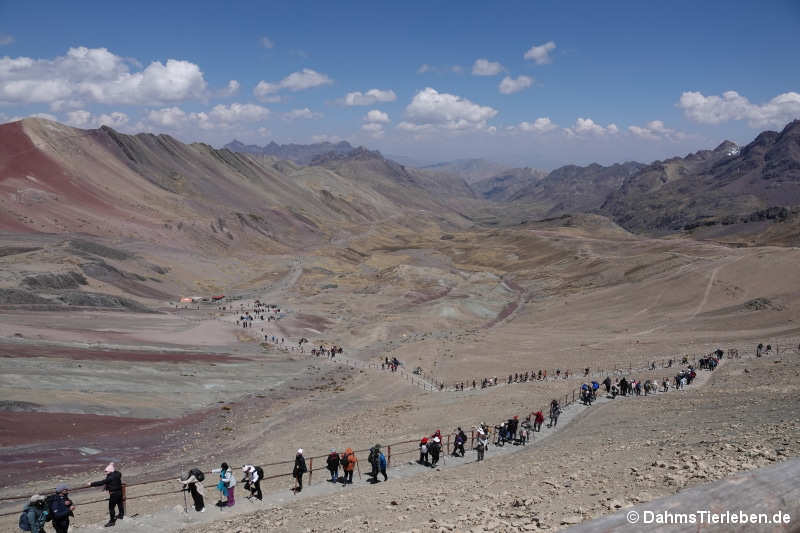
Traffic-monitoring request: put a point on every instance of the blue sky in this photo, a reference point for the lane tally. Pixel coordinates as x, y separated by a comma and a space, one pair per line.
560, 82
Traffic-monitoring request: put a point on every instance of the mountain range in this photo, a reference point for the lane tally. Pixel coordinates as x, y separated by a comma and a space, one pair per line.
299, 153
55, 178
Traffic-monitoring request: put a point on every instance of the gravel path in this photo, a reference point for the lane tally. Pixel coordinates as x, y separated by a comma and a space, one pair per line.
277, 492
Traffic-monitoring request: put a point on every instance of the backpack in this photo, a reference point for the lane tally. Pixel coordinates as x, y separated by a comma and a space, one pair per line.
198, 474
24, 524
260, 472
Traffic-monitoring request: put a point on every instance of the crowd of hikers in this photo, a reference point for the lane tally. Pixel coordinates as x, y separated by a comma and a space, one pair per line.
58, 507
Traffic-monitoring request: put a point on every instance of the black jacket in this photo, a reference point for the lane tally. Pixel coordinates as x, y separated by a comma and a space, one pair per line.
333, 461
112, 482
299, 465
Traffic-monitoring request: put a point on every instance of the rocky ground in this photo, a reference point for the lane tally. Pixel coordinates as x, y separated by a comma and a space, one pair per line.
480, 304
613, 455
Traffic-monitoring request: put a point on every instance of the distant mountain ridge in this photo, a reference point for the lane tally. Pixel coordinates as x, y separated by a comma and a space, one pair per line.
470, 170
711, 185
504, 186
299, 153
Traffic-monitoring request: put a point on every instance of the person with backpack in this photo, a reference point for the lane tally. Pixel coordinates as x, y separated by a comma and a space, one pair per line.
113, 484
34, 515
61, 508
482, 445
458, 445
538, 418
193, 482
423, 452
348, 462
252, 480
435, 448
555, 411
374, 461
299, 470
333, 465
226, 485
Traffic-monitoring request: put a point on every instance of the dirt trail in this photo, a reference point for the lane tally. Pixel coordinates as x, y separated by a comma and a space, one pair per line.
174, 519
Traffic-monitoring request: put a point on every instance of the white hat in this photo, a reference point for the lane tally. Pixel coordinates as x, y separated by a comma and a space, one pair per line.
37, 498
436, 439
299, 451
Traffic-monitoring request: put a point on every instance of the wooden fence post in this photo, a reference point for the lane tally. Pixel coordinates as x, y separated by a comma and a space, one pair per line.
448, 443
389, 457
310, 469
472, 439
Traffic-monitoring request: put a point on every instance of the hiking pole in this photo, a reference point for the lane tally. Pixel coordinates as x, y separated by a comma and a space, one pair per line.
185, 508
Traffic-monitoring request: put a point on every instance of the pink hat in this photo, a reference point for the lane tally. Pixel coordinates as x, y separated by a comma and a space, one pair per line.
110, 468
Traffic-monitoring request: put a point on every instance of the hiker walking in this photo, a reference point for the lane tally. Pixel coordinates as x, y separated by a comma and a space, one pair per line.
435, 448
348, 462
226, 485
113, 484
252, 480
458, 445
423, 451
61, 508
299, 469
193, 482
538, 418
333, 465
482, 445
34, 515
555, 410
378, 464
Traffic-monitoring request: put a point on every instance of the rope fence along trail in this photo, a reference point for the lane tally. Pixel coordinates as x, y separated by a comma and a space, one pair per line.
544, 375
278, 469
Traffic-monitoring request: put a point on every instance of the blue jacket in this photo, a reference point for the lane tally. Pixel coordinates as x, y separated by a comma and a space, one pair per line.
36, 517
59, 508
382, 461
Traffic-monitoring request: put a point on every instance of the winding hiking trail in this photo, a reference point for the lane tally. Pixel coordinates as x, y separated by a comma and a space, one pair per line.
277, 493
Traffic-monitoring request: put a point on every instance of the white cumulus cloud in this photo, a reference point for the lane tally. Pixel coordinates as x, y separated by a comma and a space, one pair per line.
456, 69
447, 111
97, 75
655, 130
168, 117
219, 117
540, 125
84, 119
587, 126
238, 113
370, 97
510, 85
731, 105
374, 129
231, 90
541, 54
304, 113
484, 67
376, 115
296, 81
